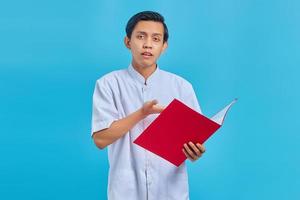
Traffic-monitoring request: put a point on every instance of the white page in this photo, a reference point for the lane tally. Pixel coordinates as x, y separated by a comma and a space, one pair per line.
219, 117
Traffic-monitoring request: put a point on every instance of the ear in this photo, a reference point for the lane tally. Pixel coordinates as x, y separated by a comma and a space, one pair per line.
165, 46
127, 42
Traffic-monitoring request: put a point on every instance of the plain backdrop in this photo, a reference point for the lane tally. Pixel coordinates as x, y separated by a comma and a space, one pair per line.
52, 52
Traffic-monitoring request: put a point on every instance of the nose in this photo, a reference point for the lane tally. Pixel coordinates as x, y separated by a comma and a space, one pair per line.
147, 44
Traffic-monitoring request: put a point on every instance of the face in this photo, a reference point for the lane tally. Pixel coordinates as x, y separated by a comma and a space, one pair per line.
146, 43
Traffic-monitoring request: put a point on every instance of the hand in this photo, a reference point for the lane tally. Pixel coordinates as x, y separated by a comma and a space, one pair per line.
151, 107
193, 152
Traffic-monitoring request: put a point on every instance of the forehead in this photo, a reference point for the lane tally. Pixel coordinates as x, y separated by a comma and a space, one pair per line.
149, 27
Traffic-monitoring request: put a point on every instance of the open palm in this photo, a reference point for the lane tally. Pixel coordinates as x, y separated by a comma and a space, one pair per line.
151, 107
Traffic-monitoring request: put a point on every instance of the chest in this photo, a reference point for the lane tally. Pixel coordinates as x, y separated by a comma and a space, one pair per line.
131, 96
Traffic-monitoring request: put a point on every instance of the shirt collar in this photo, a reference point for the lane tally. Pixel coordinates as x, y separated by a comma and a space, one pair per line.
137, 76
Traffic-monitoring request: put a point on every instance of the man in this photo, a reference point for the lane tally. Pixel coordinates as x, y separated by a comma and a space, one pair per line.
126, 101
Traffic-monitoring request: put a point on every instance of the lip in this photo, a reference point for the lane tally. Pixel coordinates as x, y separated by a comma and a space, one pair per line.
147, 54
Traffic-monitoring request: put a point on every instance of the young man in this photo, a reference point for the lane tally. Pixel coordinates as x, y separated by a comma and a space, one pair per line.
126, 101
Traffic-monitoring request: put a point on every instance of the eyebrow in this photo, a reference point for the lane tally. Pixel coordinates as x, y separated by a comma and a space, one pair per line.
154, 34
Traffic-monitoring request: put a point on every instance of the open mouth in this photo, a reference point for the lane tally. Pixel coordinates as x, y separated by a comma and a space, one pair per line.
147, 54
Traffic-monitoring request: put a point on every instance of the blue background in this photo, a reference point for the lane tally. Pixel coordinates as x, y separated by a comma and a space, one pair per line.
52, 52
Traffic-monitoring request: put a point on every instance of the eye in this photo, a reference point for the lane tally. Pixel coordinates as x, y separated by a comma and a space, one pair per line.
140, 36
156, 39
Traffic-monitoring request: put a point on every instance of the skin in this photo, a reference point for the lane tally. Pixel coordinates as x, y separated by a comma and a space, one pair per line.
146, 45
147, 36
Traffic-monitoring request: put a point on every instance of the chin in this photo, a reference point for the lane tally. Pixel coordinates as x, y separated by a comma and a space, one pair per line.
146, 65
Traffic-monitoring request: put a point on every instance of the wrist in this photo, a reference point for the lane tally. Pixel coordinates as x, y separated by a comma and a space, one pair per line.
141, 114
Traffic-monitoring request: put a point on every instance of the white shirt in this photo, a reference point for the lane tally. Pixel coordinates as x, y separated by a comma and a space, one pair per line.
134, 173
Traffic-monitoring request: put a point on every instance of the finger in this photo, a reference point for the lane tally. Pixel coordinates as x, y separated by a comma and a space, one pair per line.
201, 147
187, 155
190, 152
158, 109
153, 102
149, 104
197, 150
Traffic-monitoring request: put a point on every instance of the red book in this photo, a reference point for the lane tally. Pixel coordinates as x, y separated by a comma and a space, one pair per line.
178, 124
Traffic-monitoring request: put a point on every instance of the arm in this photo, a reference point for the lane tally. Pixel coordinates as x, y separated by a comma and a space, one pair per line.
120, 127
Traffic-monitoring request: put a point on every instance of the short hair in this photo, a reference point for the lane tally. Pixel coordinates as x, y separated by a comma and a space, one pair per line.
146, 16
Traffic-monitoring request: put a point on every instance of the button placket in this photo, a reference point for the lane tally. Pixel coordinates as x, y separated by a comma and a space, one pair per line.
147, 164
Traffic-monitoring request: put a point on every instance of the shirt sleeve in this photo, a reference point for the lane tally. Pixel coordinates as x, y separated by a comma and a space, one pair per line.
104, 111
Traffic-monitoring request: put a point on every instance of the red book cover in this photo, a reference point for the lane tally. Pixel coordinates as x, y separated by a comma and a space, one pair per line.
178, 124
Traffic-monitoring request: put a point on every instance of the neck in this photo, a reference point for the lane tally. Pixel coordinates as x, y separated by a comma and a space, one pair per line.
144, 71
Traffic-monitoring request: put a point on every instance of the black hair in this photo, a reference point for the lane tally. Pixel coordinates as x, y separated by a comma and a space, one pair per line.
146, 16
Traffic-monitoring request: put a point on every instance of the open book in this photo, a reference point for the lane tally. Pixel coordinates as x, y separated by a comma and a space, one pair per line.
178, 124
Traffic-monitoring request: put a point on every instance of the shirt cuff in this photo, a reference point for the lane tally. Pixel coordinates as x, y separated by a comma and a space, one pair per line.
98, 126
